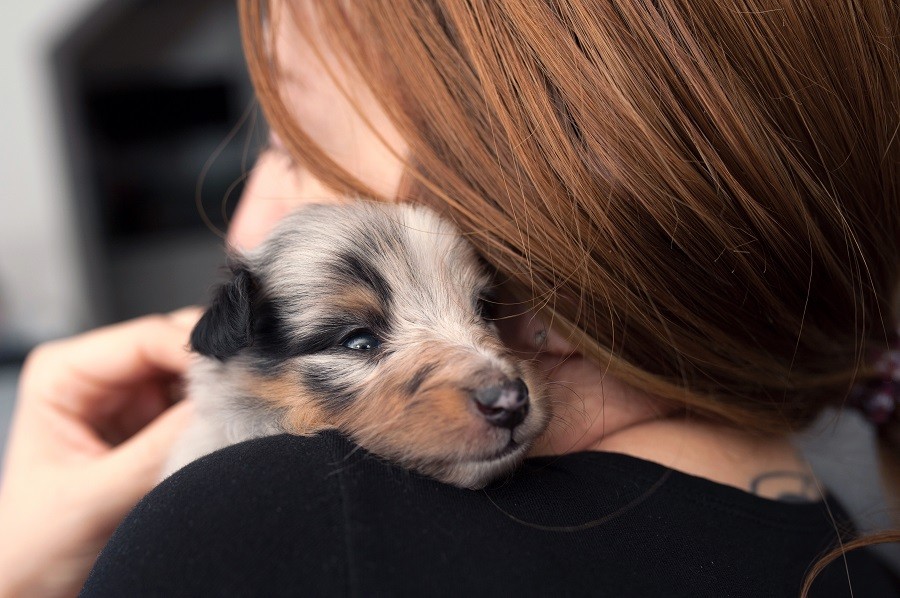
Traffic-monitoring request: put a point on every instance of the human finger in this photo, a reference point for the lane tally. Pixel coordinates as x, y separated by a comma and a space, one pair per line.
186, 317
88, 368
141, 458
141, 406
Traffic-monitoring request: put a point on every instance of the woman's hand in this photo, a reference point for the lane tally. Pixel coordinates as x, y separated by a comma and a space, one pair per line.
93, 425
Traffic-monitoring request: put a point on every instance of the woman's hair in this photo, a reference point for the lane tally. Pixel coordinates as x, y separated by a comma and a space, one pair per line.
704, 195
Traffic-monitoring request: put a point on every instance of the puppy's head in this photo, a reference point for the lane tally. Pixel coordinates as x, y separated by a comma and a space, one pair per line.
372, 319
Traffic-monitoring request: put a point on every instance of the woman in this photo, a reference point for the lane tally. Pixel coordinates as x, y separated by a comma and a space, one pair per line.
699, 202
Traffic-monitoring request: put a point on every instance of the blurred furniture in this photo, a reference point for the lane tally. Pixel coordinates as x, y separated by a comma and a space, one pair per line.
159, 131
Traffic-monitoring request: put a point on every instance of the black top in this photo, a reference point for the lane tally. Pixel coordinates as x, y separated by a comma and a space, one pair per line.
320, 516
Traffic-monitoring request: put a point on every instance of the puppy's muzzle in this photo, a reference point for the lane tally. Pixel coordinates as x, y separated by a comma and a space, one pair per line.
504, 405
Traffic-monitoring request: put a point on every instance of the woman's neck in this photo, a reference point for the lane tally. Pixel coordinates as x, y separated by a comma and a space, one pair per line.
593, 411
768, 466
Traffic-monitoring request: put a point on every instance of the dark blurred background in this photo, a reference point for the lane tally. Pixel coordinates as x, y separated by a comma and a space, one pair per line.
128, 127
156, 114
143, 126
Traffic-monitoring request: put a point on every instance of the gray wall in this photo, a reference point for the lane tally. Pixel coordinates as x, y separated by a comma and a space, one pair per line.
41, 289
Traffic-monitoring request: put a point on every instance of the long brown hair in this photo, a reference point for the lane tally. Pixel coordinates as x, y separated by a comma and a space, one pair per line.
705, 195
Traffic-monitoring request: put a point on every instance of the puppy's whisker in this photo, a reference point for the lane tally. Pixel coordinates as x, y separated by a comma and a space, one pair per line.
568, 407
563, 424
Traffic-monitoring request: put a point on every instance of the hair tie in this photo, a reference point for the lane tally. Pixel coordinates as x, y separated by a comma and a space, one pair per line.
879, 398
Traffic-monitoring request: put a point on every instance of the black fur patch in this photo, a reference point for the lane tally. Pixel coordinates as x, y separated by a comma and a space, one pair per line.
355, 267
414, 383
335, 394
227, 326
271, 334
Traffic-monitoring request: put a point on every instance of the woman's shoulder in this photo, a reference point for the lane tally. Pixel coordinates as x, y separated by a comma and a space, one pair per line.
267, 515
230, 519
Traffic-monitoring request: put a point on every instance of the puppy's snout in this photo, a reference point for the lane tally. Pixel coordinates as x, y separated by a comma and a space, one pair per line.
504, 405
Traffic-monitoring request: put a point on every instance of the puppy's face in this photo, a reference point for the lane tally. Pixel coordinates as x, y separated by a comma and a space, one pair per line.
371, 319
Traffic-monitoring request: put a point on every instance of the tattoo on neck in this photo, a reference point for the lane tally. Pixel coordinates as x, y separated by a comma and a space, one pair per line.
787, 486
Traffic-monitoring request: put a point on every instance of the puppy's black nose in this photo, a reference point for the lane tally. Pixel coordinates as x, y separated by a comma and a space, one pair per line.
505, 405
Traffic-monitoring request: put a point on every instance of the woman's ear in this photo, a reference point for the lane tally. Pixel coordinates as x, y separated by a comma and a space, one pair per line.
227, 326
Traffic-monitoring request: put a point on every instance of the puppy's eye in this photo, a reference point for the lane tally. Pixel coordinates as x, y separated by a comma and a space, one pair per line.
486, 308
362, 340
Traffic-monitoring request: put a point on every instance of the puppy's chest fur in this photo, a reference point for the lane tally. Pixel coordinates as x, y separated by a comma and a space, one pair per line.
370, 319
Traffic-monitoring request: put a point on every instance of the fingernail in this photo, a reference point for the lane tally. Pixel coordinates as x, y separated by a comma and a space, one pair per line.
186, 316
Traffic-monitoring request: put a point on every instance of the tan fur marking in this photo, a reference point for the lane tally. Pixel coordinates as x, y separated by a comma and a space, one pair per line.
395, 423
356, 299
301, 412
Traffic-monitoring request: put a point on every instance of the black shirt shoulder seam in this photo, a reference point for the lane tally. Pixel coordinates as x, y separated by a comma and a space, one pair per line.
352, 582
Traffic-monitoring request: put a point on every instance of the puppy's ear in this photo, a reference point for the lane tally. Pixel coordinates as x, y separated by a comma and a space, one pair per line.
227, 326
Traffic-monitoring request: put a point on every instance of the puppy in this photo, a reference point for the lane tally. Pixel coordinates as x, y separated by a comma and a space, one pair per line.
370, 319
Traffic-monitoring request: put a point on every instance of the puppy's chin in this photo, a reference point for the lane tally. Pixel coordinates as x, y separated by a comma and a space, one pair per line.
475, 474
474, 465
